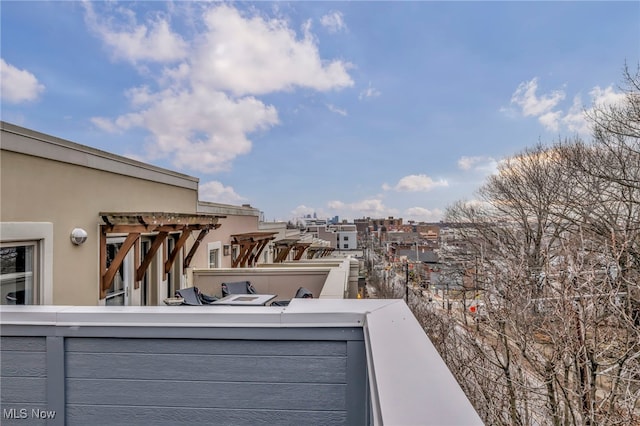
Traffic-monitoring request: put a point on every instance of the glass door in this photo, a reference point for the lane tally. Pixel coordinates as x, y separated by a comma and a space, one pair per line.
118, 293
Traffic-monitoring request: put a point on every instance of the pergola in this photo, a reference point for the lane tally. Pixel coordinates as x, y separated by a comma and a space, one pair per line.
159, 225
317, 252
251, 246
284, 247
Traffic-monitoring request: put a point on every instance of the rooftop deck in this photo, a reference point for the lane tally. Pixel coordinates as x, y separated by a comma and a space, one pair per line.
314, 362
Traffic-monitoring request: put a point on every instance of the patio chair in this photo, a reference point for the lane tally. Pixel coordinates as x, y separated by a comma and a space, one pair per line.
302, 293
237, 287
193, 296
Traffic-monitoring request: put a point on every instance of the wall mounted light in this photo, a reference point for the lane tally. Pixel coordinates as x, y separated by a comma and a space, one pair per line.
78, 236
225, 250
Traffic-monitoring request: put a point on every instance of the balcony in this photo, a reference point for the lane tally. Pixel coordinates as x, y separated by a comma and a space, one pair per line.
316, 361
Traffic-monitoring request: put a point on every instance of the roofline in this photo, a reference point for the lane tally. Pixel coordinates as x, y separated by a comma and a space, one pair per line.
227, 209
62, 150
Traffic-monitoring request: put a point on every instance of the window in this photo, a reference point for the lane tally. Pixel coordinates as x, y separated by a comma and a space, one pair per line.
19, 281
116, 293
346, 238
346, 246
215, 250
213, 258
39, 236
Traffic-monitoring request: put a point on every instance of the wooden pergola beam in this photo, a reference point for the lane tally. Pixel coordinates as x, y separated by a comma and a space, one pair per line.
186, 232
157, 242
299, 250
110, 273
255, 256
196, 244
283, 252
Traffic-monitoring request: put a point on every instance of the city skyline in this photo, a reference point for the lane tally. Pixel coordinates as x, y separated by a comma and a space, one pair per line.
348, 109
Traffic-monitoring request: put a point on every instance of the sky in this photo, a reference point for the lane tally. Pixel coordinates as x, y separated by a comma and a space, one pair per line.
350, 109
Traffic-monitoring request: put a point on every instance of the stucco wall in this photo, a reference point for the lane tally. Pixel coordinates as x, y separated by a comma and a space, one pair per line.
230, 225
70, 195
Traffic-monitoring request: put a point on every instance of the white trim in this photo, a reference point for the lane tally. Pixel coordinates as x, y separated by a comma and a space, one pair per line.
409, 380
42, 233
216, 245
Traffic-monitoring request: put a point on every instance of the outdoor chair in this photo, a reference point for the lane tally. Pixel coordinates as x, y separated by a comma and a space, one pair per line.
302, 293
193, 296
237, 287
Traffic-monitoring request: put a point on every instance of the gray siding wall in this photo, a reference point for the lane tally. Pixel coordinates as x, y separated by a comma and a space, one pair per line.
110, 377
23, 379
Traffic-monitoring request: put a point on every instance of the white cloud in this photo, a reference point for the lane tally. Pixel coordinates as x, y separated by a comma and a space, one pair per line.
420, 214
553, 119
369, 92
606, 96
414, 183
258, 55
479, 163
153, 41
18, 85
333, 22
203, 131
372, 207
218, 193
302, 211
533, 105
105, 124
576, 118
333, 108
201, 110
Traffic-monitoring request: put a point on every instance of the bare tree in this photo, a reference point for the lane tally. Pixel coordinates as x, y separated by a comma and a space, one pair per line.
559, 260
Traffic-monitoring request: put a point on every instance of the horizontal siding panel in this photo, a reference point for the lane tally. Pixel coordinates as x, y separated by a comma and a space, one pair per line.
143, 416
23, 390
204, 346
279, 369
26, 344
22, 364
280, 396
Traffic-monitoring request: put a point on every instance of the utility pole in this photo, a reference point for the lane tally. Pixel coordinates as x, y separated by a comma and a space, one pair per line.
406, 283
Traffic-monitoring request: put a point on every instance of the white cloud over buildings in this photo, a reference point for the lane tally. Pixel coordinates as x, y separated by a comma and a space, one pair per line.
218, 193
421, 214
415, 183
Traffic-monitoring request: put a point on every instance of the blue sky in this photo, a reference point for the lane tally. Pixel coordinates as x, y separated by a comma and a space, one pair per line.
341, 108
